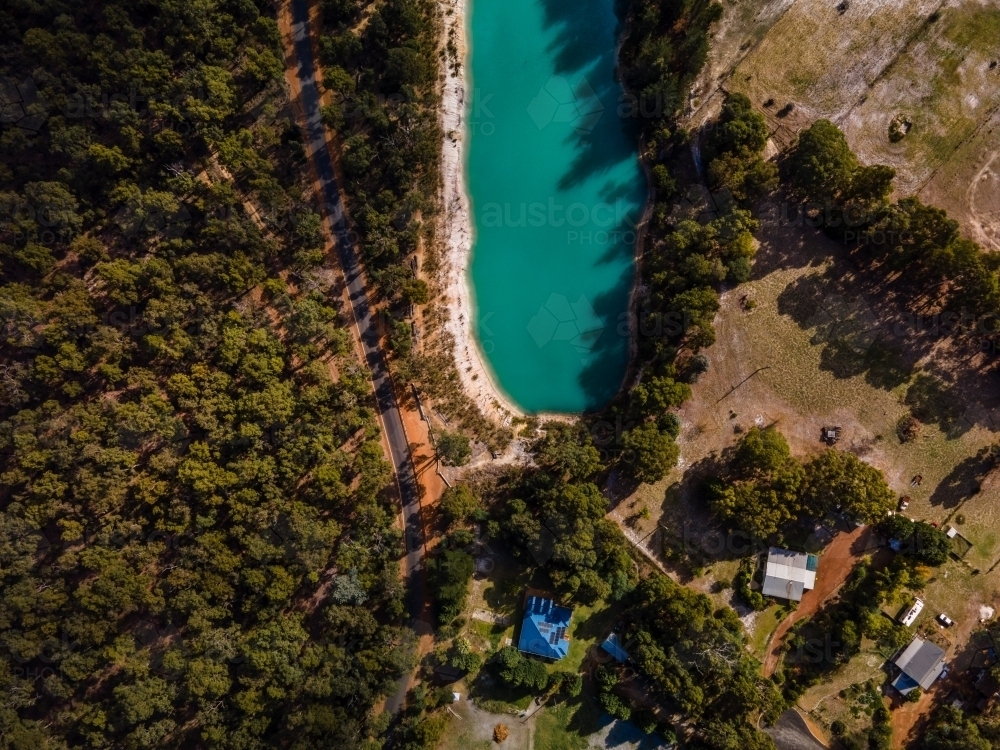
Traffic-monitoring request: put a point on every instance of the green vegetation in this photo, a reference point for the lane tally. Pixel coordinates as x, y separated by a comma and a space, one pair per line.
734, 151
764, 489
920, 242
840, 479
666, 49
383, 79
453, 448
695, 658
459, 503
197, 545
380, 62
952, 730
520, 671
555, 519
821, 644
567, 725
762, 494
448, 577
917, 539
423, 723
649, 453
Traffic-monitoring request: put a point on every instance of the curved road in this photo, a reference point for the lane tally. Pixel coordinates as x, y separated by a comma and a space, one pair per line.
385, 396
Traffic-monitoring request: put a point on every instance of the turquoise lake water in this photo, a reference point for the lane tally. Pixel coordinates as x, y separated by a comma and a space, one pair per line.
556, 191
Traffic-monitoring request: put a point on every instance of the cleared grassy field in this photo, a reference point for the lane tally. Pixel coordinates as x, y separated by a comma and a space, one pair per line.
813, 378
943, 84
832, 357
745, 24
824, 60
968, 185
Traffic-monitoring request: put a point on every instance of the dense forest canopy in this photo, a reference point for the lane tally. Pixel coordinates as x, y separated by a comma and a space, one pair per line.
196, 545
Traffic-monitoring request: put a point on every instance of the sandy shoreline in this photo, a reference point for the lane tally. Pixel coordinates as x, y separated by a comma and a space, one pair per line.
476, 377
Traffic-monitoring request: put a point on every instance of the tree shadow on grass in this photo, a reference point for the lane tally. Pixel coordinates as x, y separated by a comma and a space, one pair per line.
964, 481
854, 343
933, 402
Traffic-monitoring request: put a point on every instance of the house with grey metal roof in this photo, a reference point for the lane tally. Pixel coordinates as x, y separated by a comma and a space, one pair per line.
920, 664
788, 575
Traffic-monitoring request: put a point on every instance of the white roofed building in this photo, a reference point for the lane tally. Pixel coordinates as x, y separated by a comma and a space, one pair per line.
788, 574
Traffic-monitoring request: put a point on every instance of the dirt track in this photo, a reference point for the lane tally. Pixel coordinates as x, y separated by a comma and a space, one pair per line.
835, 565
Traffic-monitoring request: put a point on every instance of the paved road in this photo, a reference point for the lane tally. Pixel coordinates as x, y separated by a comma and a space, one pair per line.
385, 396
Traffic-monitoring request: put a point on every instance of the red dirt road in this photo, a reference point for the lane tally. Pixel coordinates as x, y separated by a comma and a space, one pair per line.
835, 565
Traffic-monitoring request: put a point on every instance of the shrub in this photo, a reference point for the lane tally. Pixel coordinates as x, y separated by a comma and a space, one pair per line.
500, 733
458, 503
454, 448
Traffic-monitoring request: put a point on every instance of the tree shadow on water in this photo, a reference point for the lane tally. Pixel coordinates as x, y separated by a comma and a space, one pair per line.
609, 348
584, 49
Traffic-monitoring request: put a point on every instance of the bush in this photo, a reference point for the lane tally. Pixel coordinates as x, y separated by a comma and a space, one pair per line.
645, 720
454, 448
458, 503
615, 706
741, 583
572, 685
607, 677
519, 671
448, 577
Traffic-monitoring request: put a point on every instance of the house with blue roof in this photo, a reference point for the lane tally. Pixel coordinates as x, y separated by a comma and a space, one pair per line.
545, 628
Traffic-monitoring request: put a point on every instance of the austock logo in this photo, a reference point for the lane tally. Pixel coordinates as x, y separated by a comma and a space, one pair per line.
561, 320
558, 101
21, 106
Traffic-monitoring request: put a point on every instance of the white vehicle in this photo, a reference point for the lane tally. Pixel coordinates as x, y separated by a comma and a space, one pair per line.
912, 612
945, 620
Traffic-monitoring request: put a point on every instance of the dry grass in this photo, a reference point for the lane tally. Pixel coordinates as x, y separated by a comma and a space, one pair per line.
824, 703
943, 84
809, 383
968, 185
824, 60
860, 377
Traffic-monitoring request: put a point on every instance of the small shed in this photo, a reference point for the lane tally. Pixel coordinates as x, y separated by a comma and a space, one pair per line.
612, 645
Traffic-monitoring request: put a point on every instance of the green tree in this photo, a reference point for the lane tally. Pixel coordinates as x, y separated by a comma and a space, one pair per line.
521, 671
649, 453
459, 503
448, 577
763, 491
840, 478
822, 165
568, 453
454, 448
658, 394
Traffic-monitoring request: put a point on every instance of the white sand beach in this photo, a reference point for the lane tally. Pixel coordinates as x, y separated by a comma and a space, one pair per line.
477, 379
